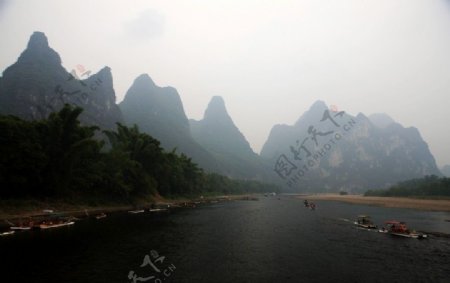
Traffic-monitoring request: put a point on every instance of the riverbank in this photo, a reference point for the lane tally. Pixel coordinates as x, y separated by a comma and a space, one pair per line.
22, 209
401, 202
16, 209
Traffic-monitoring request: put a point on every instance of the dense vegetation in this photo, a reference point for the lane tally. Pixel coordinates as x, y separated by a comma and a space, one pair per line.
427, 186
59, 158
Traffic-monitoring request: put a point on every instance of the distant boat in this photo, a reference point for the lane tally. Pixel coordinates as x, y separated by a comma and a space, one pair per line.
306, 203
398, 228
158, 210
55, 224
136, 211
7, 233
364, 221
23, 226
100, 216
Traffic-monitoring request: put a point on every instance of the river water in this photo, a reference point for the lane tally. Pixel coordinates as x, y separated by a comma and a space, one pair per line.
270, 240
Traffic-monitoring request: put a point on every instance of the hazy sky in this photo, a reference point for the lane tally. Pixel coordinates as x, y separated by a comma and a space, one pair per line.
269, 60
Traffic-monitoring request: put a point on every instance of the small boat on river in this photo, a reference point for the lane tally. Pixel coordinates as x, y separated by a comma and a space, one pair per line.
398, 228
55, 224
158, 210
364, 221
22, 226
306, 203
6, 233
136, 211
100, 216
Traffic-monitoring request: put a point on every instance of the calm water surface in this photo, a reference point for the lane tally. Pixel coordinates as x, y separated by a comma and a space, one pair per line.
269, 240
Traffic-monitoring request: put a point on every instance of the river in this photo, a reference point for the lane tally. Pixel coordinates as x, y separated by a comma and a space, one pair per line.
269, 240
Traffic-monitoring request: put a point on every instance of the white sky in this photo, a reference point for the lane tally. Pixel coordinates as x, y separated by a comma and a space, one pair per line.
269, 60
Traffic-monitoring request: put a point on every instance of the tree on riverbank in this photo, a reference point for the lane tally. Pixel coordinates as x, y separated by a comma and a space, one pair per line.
59, 158
427, 186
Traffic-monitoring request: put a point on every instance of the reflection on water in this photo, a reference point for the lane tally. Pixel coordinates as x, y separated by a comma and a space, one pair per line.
269, 240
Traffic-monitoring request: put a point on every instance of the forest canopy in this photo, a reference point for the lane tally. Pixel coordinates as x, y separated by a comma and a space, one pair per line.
59, 158
428, 186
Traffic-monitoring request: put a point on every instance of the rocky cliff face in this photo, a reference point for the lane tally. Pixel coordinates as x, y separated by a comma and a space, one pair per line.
332, 151
158, 111
37, 85
155, 109
217, 133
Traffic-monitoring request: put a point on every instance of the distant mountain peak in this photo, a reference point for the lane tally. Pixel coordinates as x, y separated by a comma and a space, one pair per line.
216, 110
369, 156
318, 105
155, 109
316, 109
217, 130
218, 134
105, 71
37, 84
38, 40
217, 100
38, 50
105, 74
144, 80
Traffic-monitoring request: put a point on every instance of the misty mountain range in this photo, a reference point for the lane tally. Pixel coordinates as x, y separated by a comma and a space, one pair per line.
326, 150
323, 151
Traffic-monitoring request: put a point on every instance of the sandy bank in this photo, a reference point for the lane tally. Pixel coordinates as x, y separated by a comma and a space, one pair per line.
422, 204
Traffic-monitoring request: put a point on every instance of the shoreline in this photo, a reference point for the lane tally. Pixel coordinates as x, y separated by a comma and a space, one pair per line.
399, 202
21, 209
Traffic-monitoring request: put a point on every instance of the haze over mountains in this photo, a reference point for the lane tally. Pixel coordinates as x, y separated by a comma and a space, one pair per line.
331, 151
218, 134
373, 152
159, 112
